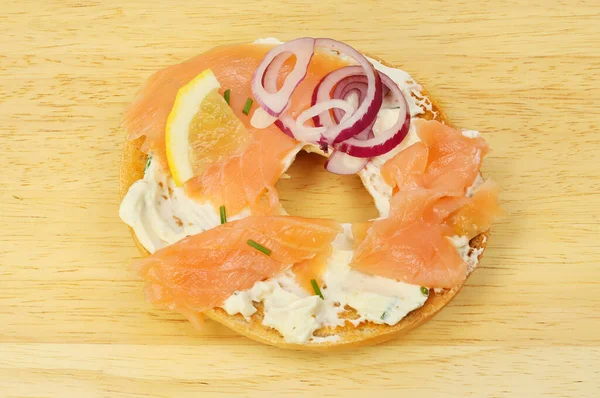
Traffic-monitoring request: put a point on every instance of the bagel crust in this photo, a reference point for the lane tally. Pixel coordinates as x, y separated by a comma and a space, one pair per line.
367, 333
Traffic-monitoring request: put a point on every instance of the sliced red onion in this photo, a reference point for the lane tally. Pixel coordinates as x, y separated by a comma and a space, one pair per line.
274, 103
357, 84
367, 110
386, 140
326, 106
301, 133
338, 122
270, 84
342, 163
296, 128
325, 88
286, 124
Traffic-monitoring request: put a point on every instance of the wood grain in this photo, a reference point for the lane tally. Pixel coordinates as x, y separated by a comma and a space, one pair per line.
73, 322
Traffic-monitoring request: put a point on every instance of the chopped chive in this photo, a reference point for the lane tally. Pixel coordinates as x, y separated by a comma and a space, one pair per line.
227, 95
383, 315
315, 287
259, 247
148, 161
425, 291
223, 214
247, 106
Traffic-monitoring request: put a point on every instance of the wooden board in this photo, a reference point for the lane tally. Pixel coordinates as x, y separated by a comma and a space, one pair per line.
73, 322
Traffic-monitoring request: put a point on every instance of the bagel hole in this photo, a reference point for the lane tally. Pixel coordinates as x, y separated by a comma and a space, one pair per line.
312, 191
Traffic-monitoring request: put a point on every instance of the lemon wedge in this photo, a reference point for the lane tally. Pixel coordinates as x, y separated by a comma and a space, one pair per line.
201, 129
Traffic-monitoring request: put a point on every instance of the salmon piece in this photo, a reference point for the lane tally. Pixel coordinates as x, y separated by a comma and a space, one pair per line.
478, 214
445, 206
410, 203
454, 160
453, 173
243, 179
406, 166
443, 140
202, 271
240, 180
147, 115
233, 66
428, 205
417, 253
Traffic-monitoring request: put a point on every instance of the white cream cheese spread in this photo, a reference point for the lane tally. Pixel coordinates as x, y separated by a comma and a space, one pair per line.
161, 214
375, 299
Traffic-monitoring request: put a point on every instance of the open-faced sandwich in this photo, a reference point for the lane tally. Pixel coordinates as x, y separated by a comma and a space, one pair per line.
208, 139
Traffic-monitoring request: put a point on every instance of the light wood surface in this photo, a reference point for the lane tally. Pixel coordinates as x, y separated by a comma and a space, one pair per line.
73, 322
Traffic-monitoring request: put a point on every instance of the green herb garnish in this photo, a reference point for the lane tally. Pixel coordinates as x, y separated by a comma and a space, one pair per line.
383, 315
315, 287
223, 214
148, 161
259, 247
425, 291
227, 95
247, 106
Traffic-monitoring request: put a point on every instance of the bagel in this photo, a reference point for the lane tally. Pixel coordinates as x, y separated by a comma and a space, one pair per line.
132, 168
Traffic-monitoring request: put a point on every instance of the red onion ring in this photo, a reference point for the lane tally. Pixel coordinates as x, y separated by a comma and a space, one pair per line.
388, 139
274, 103
367, 111
364, 115
356, 84
298, 132
296, 128
325, 106
261, 118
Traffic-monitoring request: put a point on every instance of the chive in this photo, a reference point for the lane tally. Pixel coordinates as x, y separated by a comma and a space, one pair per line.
315, 287
259, 247
223, 214
425, 291
247, 106
227, 95
383, 315
148, 161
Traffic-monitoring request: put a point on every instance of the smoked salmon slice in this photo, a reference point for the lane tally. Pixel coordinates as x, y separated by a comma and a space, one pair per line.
241, 180
454, 160
407, 166
431, 178
202, 271
479, 211
415, 253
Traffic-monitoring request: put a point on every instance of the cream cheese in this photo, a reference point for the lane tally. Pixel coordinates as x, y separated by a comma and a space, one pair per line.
375, 299
293, 316
468, 254
161, 214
